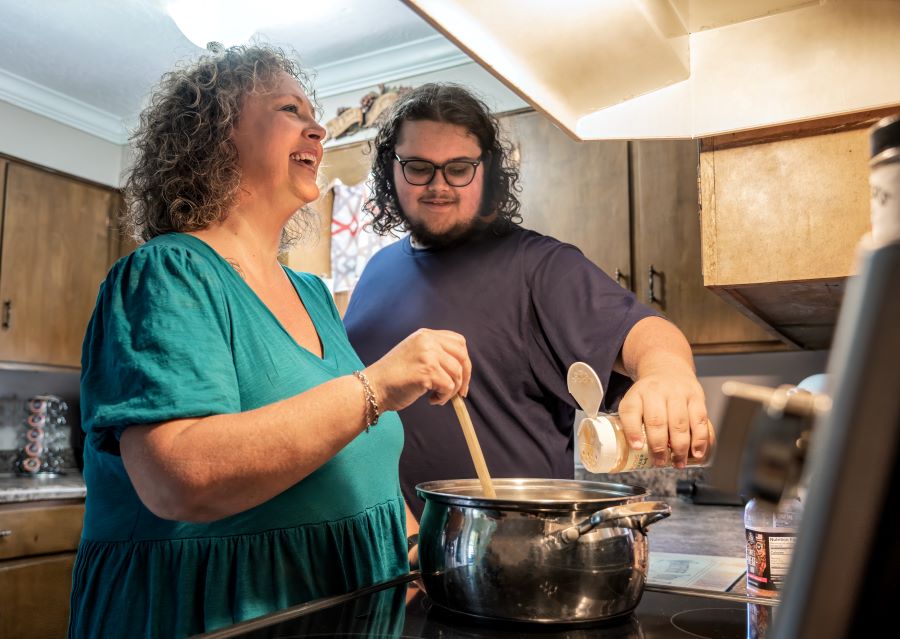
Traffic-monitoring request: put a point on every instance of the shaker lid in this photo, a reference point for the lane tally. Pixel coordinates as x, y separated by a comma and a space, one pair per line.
885, 134
585, 386
597, 445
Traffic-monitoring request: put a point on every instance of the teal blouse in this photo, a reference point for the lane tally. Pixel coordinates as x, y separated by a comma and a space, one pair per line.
177, 333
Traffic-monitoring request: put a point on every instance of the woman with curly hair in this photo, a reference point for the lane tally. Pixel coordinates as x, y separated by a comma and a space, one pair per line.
528, 304
239, 458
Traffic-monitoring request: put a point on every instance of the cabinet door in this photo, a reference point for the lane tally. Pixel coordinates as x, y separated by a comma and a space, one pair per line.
574, 191
667, 237
56, 251
39, 528
35, 596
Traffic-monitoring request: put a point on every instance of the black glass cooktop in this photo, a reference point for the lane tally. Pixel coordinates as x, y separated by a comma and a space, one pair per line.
400, 609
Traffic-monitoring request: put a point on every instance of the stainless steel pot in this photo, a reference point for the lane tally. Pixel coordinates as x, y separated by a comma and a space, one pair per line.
545, 550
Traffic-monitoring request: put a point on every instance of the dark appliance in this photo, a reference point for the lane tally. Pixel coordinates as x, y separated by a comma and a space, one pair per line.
399, 609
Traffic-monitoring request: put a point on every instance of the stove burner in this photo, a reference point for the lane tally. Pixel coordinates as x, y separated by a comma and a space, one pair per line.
711, 623
448, 624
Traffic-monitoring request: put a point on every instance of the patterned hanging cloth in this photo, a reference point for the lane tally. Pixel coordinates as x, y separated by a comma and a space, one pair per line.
353, 242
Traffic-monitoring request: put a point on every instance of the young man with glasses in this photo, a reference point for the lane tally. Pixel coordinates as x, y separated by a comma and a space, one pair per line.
528, 305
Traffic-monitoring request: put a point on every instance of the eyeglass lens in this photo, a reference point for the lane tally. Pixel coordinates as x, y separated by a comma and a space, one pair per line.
421, 172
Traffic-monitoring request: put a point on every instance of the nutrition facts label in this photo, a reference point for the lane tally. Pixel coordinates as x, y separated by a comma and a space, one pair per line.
768, 558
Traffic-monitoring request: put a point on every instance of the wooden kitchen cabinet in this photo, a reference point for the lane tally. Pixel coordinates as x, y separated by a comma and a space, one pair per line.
783, 211
37, 550
574, 191
666, 231
59, 240
629, 206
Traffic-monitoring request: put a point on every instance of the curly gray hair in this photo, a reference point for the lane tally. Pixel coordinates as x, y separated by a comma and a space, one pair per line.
186, 174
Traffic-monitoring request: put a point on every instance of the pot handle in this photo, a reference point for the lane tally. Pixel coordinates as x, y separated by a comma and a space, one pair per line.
637, 515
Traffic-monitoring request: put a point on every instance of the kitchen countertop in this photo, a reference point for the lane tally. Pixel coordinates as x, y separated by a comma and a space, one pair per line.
699, 530
15, 488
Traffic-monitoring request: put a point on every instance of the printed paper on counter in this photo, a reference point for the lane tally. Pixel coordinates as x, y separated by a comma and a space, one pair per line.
695, 571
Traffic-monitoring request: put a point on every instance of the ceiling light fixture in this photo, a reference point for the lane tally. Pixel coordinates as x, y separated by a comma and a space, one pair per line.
230, 22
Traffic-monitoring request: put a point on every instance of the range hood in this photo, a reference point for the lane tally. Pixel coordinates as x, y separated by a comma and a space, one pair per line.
637, 69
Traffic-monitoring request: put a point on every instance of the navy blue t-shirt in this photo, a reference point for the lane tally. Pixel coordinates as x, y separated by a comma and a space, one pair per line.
529, 306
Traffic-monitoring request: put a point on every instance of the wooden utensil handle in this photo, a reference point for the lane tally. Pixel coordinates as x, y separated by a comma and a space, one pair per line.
462, 414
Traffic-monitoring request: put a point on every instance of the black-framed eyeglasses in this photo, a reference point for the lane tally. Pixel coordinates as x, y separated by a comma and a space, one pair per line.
421, 172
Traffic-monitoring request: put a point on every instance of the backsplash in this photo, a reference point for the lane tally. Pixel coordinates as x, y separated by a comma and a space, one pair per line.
15, 388
11, 415
659, 482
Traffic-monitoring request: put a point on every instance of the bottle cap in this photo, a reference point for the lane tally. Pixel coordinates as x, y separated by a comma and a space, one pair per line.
597, 444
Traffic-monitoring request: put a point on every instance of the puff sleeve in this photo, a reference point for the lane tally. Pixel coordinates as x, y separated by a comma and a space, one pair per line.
158, 346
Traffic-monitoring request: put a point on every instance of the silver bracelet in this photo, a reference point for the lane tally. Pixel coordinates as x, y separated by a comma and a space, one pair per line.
372, 412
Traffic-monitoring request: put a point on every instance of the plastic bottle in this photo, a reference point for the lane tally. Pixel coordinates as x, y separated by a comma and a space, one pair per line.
771, 532
603, 448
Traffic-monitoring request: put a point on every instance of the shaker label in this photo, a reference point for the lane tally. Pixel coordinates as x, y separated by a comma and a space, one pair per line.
637, 459
768, 558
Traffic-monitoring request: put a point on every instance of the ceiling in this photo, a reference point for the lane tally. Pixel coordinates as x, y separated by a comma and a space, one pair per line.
91, 63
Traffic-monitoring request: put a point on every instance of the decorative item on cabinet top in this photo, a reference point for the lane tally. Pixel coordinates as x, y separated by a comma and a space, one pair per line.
371, 107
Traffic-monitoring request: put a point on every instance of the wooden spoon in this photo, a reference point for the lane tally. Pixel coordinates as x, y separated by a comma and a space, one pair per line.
462, 414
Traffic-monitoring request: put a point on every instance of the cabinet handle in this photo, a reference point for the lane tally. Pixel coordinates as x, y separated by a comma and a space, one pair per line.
5, 533
651, 297
7, 314
620, 278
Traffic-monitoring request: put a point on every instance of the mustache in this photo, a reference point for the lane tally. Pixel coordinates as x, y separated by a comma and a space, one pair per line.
437, 198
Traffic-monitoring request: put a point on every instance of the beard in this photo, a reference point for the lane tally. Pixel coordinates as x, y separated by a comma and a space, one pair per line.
456, 235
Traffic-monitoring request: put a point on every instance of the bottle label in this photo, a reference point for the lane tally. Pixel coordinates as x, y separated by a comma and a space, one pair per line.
637, 459
768, 558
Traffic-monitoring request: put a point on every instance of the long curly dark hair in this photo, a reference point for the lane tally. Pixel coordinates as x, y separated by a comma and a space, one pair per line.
186, 175
453, 104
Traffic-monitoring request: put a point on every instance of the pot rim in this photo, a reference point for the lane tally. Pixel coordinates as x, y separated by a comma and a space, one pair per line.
591, 495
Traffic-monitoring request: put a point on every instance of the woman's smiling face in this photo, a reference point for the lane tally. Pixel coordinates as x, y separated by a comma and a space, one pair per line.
279, 145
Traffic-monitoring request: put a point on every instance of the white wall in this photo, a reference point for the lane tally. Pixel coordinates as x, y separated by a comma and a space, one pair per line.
763, 369
35, 138
17, 386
